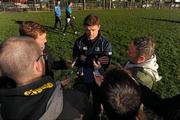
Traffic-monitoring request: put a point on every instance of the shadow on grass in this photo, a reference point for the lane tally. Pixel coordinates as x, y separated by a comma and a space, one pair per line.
163, 20
51, 29
48, 28
57, 30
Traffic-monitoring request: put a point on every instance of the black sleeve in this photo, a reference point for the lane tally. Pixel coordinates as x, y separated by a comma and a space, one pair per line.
51, 64
173, 102
48, 58
76, 54
59, 65
168, 108
152, 100
0, 113
107, 52
172, 108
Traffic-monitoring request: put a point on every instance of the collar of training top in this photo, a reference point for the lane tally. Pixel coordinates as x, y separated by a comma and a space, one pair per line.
34, 88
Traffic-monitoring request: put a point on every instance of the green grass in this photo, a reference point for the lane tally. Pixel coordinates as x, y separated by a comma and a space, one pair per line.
119, 26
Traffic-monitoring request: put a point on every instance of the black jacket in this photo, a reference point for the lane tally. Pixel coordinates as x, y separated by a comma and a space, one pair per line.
91, 50
26, 102
43, 99
168, 108
50, 64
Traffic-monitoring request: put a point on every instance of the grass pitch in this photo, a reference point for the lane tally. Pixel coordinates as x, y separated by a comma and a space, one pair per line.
120, 27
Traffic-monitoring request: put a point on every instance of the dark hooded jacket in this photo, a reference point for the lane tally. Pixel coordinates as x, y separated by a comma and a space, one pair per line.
41, 100
168, 108
91, 50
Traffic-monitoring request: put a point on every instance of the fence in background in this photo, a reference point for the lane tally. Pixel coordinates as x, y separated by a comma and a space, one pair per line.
48, 6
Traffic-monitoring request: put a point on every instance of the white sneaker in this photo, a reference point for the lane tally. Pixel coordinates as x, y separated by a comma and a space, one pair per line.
76, 33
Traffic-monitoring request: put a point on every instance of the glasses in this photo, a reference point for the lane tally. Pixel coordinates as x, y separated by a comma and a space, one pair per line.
42, 55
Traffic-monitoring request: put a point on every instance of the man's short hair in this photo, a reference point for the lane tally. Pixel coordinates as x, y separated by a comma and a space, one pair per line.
17, 56
31, 29
91, 20
144, 46
70, 1
121, 96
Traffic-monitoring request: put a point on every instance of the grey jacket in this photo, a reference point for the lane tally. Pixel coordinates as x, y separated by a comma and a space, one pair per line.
66, 105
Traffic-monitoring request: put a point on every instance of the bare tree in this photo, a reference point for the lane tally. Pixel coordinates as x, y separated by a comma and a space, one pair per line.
110, 3
146, 1
142, 3
132, 3
84, 4
34, 4
172, 2
159, 4
104, 4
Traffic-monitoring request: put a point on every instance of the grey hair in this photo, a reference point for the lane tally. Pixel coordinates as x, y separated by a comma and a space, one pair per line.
17, 55
145, 46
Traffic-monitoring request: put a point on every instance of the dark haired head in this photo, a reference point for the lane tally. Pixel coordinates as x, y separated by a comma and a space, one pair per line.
31, 29
69, 2
91, 20
120, 95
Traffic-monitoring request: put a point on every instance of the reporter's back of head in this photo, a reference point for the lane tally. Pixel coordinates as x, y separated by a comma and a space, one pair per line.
120, 95
34, 30
17, 59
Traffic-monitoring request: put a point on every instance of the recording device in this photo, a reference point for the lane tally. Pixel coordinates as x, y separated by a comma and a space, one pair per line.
68, 75
97, 73
80, 71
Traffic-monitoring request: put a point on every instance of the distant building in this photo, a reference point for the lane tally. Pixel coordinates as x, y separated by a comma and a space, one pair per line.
177, 0
15, 1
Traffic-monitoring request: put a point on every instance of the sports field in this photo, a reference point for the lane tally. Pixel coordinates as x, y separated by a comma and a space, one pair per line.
119, 26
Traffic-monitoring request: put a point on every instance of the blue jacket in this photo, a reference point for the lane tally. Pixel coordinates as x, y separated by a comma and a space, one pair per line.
57, 11
68, 12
